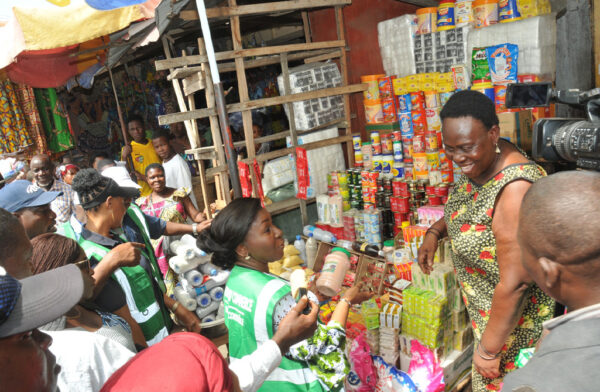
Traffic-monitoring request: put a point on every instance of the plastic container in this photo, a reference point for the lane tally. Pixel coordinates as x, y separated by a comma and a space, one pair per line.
203, 300
195, 277
426, 20
217, 293
218, 280
508, 11
372, 91
485, 12
445, 15
203, 312
209, 269
184, 298
337, 263
320, 235
311, 251
484, 87
301, 246
463, 13
373, 111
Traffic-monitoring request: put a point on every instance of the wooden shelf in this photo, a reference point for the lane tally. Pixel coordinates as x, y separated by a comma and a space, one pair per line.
286, 205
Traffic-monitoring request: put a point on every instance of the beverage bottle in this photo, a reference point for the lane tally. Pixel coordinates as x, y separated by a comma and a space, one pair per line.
334, 270
209, 269
218, 280
368, 249
321, 235
184, 298
216, 293
203, 300
203, 312
301, 246
195, 277
210, 318
311, 251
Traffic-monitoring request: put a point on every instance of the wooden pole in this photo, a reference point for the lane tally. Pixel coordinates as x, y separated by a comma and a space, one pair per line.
121, 120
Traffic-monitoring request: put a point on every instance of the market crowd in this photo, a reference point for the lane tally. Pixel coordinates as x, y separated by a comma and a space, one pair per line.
85, 285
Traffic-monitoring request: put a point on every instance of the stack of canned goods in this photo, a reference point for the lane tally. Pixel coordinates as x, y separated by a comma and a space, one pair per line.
358, 154
387, 154
337, 183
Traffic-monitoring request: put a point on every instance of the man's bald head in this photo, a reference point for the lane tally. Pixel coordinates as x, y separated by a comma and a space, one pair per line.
43, 170
560, 216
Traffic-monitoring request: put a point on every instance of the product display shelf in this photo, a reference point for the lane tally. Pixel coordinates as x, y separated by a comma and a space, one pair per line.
193, 73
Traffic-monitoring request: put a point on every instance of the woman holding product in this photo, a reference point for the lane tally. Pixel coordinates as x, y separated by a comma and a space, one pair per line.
505, 307
171, 205
244, 239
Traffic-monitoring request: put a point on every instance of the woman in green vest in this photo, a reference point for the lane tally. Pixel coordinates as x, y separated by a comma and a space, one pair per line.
244, 239
106, 204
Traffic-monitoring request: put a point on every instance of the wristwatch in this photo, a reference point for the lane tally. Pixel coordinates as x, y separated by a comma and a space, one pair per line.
195, 229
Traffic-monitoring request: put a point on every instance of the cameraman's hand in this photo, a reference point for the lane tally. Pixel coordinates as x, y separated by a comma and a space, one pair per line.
295, 326
427, 252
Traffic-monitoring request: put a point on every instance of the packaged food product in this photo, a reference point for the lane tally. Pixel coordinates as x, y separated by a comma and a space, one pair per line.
485, 12
502, 61
480, 69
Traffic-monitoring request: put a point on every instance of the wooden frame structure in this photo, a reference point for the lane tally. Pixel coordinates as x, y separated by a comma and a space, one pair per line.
193, 73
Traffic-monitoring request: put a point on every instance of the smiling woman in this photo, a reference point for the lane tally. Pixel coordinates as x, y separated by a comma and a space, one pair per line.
506, 309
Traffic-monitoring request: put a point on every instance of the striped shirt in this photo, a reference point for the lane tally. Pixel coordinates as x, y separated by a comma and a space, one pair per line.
64, 205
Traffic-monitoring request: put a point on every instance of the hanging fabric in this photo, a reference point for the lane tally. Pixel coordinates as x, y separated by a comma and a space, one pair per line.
13, 126
54, 119
27, 104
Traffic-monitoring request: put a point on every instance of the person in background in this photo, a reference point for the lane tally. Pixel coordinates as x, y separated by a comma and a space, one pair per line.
171, 205
481, 217
31, 205
97, 157
103, 164
15, 247
67, 173
558, 233
26, 362
244, 239
43, 171
179, 141
141, 151
176, 170
51, 251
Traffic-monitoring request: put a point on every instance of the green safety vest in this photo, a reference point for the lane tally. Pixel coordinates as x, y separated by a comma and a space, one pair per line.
250, 298
149, 313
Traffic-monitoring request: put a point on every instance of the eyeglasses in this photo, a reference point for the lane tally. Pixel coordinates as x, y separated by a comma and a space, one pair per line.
84, 265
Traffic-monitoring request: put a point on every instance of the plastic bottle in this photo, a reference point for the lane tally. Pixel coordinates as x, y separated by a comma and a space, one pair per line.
311, 251
368, 249
203, 300
319, 234
184, 298
388, 250
301, 246
216, 293
210, 318
195, 277
218, 280
203, 312
209, 269
334, 270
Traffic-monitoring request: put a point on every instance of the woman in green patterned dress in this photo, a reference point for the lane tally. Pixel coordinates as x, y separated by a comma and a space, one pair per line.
505, 307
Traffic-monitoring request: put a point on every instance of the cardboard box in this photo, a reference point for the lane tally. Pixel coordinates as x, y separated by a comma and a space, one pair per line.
455, 365
517, 127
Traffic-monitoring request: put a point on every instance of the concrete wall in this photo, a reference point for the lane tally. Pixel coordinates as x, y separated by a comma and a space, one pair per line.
360, 18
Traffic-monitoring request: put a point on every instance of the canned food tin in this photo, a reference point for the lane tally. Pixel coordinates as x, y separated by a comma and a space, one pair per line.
342, 179
377, 163
407, 149
388, 162
435, 177
433, 160
419, 121
356, 142
403, 102
386, 143
386, 89
396, 136
375, 139
447, 176
358, 157
418, 144
432, 99
345, 194
397, 149
432, 115
406, 127
441, 190
388, 106
431, 141
435, 200
376, 147
364, 178
399, 188
387, 185
398, 170
417, 100
420, 166
408, 171
400, 204
444, 97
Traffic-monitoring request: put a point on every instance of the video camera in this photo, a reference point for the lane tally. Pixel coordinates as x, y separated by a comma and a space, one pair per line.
561, 139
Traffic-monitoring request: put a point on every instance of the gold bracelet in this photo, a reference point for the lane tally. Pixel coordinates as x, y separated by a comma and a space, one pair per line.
175, 306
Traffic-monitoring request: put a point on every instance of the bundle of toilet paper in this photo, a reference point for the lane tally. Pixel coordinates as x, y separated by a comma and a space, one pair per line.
201, 284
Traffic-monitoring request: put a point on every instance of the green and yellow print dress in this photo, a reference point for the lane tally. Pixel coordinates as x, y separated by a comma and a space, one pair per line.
468, 215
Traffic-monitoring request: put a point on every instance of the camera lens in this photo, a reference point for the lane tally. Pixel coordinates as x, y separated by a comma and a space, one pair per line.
572, 139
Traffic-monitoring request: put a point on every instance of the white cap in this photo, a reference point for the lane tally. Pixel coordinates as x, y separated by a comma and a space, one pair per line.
120, 175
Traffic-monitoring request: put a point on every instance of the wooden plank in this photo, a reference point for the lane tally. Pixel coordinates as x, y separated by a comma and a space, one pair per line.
596, 49
285, 205
242, 84
306, 26
261, 103
222, 182
193, 83
308, 146
180, 73
262, 8
341, 35
324, 57
162, 65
